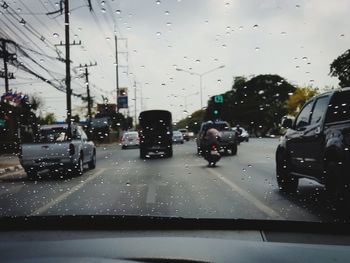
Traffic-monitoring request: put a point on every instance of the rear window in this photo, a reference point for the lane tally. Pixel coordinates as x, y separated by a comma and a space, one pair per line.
131, 135
339, 108
52, 135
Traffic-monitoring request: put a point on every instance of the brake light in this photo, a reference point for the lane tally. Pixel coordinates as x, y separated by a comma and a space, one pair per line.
213, 148
71, 149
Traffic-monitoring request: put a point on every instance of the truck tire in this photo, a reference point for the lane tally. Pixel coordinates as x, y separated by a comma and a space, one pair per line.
92, 163
78, 168
143, 152
286, 182
169, 152
234, 149
334, 183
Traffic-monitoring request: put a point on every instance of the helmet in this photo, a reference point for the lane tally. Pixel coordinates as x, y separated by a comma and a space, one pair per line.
209, 125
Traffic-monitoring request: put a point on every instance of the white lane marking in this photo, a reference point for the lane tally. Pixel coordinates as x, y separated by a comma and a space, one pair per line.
249, 197
151, 194
66, 194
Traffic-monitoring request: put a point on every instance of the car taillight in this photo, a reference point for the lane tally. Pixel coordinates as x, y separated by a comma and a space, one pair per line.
71, 149
213, 147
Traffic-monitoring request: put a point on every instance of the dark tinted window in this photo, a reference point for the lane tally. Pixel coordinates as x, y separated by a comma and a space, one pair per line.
339, 108
319, 110
304, 116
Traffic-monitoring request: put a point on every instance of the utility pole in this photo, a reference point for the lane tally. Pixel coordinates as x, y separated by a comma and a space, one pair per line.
67, 45
4, 52
86, 73
68, 78
117, 68
6, 56
135, 104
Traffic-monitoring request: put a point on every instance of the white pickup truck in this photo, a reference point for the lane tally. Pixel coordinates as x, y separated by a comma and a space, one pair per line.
52, 150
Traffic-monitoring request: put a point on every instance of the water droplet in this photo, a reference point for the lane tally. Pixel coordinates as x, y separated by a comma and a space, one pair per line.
158, 2
103, 10
342, 35
255, 26
56, 35
198, 61
158, 33
219, 81
108, 38
240, 28
168, 24
297, 6
283, 33
304, 58
257, 49
224, 45
166, 13
22, 22
118, 11
227, 4
127, 184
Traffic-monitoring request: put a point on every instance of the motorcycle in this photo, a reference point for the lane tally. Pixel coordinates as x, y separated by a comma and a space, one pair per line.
212, 155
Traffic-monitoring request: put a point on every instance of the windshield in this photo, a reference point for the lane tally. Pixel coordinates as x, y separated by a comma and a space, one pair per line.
133, 75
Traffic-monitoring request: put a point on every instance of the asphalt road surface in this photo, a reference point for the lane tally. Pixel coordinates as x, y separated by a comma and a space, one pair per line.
242, 186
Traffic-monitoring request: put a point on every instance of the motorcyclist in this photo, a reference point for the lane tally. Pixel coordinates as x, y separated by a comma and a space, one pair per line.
211, 137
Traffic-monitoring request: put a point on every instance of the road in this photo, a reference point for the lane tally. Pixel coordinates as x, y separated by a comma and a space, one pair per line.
241, 186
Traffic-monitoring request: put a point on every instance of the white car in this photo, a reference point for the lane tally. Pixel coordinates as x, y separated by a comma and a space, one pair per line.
178, 137
130, 139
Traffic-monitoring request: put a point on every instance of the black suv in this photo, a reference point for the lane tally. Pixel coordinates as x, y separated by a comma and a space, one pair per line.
316, 144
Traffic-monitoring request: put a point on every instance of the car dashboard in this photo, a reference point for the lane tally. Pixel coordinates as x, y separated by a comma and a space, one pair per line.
171, 244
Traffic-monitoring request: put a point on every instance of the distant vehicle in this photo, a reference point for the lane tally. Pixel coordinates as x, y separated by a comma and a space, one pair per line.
316, 144
244, 136
156, 132
52, 150
130, 138
185, 134
228, 139
178, 137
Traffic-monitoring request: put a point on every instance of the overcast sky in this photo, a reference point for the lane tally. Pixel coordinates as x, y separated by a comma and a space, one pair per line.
295, 39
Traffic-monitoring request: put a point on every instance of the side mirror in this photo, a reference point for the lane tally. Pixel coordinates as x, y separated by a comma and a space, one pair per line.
287, 123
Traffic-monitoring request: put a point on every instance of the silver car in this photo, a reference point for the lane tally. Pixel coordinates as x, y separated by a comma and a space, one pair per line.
178, 137
130, 139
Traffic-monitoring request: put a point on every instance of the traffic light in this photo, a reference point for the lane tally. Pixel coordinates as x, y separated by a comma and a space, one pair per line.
217, 105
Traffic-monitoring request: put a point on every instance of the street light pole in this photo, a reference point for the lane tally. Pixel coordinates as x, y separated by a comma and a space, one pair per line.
200, 75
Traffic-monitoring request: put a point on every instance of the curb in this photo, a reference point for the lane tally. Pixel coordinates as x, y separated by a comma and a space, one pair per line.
6, 170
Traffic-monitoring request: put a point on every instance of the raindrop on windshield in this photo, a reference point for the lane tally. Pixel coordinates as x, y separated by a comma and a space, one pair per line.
158, 33
158, 2
118, 11
55, 34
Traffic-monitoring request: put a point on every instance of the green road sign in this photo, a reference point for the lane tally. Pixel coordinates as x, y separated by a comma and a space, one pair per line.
219, 99
2, 122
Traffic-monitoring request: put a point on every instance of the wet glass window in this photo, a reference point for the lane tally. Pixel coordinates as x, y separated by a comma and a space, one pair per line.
339, 108
320, 110
303, 118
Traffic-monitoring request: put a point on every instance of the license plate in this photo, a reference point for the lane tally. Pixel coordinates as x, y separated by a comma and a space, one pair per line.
214, 152
156, 147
